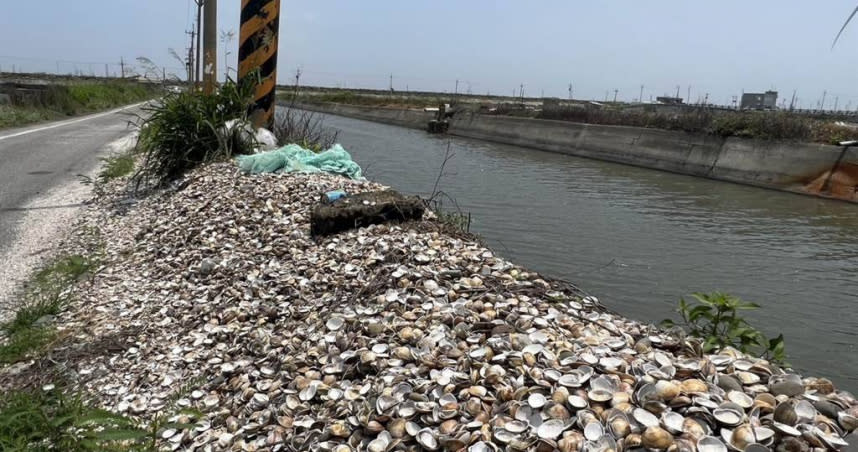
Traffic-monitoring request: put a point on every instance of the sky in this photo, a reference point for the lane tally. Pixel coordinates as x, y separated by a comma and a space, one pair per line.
717, 47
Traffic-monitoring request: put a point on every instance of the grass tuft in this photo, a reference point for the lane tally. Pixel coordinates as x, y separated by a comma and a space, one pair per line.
46, 295
116, 166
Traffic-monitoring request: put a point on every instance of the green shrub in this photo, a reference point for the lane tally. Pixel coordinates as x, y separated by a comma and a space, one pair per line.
715, 319
186, 129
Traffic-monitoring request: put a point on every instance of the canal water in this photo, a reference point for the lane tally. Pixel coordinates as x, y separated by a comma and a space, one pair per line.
640, 239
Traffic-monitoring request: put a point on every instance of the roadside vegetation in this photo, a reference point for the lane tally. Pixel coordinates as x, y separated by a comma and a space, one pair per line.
186, 129
59, 101
745, 124
45, 296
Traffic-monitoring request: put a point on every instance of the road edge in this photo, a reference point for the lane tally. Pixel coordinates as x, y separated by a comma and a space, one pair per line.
48, 219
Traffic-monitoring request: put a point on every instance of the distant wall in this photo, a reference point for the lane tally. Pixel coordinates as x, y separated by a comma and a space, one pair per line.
814, 169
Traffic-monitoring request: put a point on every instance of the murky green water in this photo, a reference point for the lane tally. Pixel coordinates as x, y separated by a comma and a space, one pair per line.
640, 239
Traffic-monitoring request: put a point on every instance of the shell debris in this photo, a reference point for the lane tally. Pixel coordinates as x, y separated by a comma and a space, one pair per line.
399, 337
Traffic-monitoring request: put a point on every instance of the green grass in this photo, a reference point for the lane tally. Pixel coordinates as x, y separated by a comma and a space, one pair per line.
15, 116
116, 166
46, 295
59, 419
58, 101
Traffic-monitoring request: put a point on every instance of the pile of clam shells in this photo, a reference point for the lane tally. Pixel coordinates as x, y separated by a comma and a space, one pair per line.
398, 337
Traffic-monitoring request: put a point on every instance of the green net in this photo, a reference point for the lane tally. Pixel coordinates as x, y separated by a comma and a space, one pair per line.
294, 158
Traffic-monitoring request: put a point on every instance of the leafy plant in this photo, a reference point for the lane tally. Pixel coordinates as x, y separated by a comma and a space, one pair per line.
186, 129
715, 319
54, 419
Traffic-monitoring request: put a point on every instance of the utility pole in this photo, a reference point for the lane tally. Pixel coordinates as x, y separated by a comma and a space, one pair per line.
199, 35
615, 94
298, 81
258, 41
391, 83
792, 101
688, 99
191, 82
210, 43
640, 98
677, 91
836, 99
822, 104
122, 66
192, 72
521, 92
456, 91
570, 91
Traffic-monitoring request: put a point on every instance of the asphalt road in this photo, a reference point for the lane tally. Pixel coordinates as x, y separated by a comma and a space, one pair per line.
38, 159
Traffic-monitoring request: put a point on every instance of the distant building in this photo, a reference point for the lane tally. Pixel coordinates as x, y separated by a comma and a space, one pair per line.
669, 100
760, 101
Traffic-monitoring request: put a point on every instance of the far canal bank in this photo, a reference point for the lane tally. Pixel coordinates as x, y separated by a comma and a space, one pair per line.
641, 239
805, 168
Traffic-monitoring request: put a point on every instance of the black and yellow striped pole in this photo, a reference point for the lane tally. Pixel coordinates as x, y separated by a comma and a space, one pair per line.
257, 49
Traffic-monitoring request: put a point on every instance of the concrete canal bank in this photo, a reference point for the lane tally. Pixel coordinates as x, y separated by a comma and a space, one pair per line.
806, 168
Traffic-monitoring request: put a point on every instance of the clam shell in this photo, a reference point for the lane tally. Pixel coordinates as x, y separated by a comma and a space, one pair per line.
711, 444
551, 429
645, 418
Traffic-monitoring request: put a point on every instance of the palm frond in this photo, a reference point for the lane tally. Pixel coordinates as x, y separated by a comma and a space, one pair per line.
854, 11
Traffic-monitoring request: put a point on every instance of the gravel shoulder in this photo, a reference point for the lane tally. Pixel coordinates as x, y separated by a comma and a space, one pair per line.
42, 222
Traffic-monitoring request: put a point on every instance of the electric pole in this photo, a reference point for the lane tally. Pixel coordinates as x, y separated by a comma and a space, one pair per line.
688, 99
677, 91
640, 98
122, 66
391, 83
192, 72
792, 101
521, 92
615, 94
456, 91
199, 34
822, 104
836, 99
210, 43
570, 91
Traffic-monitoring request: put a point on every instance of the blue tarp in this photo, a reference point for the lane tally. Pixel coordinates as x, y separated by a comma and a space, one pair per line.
294, 158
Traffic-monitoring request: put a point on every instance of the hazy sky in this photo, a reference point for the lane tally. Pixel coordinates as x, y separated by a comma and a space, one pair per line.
720, 47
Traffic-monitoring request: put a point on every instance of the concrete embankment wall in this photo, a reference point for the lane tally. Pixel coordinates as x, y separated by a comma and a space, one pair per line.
814, 169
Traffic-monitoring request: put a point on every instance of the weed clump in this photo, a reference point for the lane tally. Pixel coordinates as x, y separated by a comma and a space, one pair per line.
186, 129
46, 296
304, 128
